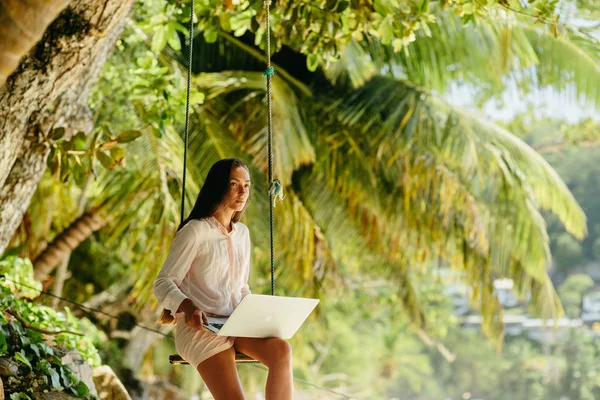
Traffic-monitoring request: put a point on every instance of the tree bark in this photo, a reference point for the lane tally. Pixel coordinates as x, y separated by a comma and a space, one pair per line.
22, 24
50, 89
66, 242
139, 343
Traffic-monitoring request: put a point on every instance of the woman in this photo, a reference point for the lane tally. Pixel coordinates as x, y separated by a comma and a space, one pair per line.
206, 273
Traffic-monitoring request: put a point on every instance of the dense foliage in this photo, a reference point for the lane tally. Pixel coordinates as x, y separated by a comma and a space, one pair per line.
32, 335
386, 183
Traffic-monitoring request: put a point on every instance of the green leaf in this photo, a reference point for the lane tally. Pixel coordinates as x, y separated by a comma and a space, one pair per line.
46, 349
35, 349
159, 40
67, 376
79, 141
105, 160
386, 31
80, 389
78, 177
196, 98
117, 154
210, 36
312, 62
128, 136
224, 19
19, 396
57, 133
16, 326
108, 132
55, 378
3, 345
342, 5
20, 356
330, 4
174, 41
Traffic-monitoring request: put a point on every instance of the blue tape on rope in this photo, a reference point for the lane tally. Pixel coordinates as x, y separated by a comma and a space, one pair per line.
269, 72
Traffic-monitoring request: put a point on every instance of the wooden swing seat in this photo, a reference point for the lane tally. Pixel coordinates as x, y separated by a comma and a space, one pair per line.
240, 358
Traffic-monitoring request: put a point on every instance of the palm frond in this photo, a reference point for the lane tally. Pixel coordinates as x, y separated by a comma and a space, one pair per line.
292, 146
488, 55
355, 246
450, 186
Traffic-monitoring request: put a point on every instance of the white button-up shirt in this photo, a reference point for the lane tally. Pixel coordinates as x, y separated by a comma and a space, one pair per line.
208, 265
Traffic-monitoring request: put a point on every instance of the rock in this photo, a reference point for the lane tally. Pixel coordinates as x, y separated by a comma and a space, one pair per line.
81, 369
8, 367
107, 384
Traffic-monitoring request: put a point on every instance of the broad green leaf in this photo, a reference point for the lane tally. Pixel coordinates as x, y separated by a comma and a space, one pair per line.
79, 141
54, 378
105, 160
80, 389
210, 36
35, 349
20, 356
45, 348
196, 97
159, 40
172, 37
386, 31
19, 396
3, 346
57, 133
128, 136
117, 154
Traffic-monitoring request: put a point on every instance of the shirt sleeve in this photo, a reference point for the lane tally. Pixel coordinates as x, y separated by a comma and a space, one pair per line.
184, 249
246, 289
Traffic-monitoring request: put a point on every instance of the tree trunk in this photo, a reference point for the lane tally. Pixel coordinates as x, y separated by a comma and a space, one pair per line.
22, 24
50, 89
139, 343
66, 242
59, 280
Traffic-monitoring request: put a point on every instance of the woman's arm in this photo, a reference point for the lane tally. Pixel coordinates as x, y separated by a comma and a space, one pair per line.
247, 262
183, 251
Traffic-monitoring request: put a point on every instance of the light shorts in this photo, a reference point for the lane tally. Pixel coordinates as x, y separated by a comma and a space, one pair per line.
195, 345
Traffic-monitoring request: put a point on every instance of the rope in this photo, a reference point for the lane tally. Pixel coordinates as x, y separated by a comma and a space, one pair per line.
269, 74
166, 335
187, 109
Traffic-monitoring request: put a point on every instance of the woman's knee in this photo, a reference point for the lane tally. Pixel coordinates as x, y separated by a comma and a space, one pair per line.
280, 352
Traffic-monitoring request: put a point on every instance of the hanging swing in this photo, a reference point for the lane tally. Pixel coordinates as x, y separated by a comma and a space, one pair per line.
275, 187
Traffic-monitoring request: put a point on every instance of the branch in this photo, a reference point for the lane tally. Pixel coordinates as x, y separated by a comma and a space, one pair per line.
428, 340
33, 328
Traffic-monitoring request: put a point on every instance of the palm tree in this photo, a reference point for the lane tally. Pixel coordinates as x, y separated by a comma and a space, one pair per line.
383, 177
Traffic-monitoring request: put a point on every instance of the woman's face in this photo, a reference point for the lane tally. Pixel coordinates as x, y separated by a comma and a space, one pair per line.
239, 189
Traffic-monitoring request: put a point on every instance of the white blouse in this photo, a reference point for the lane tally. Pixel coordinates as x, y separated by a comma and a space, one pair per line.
208, 265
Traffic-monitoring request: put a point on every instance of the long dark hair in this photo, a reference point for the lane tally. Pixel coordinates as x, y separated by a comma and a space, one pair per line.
214, 190
210, 197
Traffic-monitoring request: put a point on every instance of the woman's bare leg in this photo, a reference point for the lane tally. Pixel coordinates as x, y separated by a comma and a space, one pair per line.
220, 376
275, 354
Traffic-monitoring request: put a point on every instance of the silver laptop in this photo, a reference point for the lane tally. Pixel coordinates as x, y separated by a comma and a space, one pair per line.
263, 316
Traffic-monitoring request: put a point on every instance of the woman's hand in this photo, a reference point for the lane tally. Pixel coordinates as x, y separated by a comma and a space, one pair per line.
194, 317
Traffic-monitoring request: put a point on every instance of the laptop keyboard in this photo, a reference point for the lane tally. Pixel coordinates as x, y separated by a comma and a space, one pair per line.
214, 328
